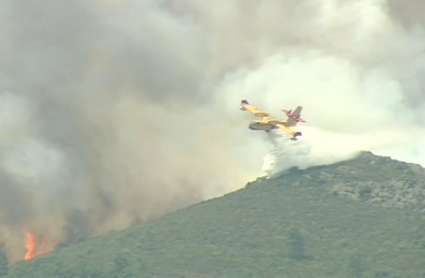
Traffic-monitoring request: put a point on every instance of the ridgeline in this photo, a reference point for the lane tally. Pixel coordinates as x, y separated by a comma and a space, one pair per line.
358, 218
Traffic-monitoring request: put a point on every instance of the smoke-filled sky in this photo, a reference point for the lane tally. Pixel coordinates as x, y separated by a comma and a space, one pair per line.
115, 112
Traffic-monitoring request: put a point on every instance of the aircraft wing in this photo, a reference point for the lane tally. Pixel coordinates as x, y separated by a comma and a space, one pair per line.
288, 130
253, 110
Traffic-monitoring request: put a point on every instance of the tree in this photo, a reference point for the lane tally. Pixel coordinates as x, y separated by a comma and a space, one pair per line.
3, 264
296, 248
356, 266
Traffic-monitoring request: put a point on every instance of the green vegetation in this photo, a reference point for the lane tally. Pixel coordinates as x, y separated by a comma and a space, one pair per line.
374, 179
296, 250
3, 264
298, 224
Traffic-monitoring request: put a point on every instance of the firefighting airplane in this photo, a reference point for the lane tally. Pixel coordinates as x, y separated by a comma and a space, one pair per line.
267, 123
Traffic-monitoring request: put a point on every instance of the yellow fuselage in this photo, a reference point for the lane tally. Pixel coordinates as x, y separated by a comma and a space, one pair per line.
266, 124
266, 121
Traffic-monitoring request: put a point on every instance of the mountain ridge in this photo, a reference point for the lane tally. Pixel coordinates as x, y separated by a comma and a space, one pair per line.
372, 178
291, 225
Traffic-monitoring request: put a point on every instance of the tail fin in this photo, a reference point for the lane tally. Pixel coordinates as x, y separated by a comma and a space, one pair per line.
297, 112
295, 116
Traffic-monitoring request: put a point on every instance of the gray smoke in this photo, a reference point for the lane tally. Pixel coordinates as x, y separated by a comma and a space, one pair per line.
115, 112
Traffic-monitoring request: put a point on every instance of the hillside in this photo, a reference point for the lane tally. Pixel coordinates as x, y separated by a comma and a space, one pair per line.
357, 218
374, 179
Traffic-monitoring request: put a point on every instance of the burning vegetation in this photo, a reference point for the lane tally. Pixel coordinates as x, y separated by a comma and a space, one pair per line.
31, 246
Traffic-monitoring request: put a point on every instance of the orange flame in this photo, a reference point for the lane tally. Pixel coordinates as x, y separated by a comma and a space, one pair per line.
30, 245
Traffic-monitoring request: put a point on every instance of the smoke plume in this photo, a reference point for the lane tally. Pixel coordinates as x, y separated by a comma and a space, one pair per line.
115, 112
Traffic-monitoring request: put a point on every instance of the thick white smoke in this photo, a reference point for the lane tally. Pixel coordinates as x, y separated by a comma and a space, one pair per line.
360, 88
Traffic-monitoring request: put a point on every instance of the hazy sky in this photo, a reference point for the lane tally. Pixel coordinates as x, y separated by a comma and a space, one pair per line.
114, 112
